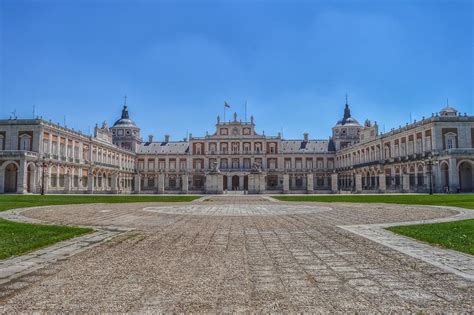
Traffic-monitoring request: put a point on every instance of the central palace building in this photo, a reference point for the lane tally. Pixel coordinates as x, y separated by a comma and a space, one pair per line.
434, 154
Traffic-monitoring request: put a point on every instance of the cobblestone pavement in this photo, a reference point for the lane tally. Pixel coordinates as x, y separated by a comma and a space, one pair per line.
233, 254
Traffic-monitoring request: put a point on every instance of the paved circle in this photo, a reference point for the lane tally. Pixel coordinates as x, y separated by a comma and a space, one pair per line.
237, 209
236, 254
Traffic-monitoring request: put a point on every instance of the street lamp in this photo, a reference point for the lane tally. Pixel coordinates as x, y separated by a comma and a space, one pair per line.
430, 162
43, 177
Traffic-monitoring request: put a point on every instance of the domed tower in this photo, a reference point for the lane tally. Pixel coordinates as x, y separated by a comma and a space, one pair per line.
346, 132
125, 132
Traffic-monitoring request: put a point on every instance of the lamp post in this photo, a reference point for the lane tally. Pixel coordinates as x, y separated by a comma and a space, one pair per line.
43, 177
430, 162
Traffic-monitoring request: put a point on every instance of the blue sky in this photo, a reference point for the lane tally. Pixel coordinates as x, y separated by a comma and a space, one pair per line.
178, 61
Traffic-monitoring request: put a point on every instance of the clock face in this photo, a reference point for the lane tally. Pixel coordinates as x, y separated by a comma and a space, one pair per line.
235, 131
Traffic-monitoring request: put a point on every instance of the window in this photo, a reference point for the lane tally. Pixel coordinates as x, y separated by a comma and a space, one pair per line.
25, 142
182, 165
141, 165
1, 142
172, 165
272, 148
450, 141
45, 145
224, 164
151, 165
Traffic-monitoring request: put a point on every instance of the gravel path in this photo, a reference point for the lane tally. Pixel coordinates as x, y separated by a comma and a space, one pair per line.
238, 254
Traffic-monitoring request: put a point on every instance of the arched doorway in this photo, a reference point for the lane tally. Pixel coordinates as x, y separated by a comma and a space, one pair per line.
30, 178
11, 177
465, 177
224, 184
235, 182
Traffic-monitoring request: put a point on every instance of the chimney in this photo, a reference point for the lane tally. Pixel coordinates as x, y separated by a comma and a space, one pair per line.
167, 138
150, 138
306, 136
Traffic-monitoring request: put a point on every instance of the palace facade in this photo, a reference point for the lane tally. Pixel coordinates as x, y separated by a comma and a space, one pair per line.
434, 154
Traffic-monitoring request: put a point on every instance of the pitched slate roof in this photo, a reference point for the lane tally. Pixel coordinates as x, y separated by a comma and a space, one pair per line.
179, 147
300, 146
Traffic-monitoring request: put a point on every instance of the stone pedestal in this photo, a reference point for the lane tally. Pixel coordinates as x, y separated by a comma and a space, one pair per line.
286, 183
161, 184
90, 183
334, 184
358, 183
114, 186
136, 183
214, 184
184, 184
309, 184
406, 183
67, 183
382, 183
256, 183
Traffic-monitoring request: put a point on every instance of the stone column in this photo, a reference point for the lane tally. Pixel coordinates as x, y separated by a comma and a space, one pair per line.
286, 183
229, 182
382, 183
22, 178
454, 184
334, 184
137, 183
161, 183
405, 182
184, 183
358, 183
241, 182
309, 184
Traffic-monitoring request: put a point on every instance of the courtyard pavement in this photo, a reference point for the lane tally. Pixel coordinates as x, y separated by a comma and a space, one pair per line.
238, 254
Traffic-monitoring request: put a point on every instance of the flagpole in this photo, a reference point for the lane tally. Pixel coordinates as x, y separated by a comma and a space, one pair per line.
224, 112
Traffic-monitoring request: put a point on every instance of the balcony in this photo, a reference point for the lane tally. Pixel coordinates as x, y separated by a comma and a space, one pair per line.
18, 153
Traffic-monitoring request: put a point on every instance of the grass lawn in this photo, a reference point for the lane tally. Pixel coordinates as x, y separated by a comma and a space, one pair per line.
19, 238
457, 235
458, 200
23, 201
